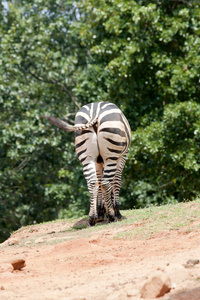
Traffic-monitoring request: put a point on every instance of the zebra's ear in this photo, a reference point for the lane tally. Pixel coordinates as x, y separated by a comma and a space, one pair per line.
59, 123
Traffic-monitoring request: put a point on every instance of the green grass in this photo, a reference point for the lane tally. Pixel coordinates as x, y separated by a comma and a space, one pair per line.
147, 222
150, 221
136, 223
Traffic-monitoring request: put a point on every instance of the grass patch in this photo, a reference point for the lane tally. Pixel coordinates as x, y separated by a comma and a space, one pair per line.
150, 221
136, 223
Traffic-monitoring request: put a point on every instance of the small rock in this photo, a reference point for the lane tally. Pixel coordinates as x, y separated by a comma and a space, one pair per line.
6, 267
131, 292
188, 266
156, 287
12, 264
193, 261
39, 240
192, 234
94, 239
12, 242
28, 243
160, 269
173, 286
18, 263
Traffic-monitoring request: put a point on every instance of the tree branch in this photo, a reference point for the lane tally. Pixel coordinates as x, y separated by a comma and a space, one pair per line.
22, 165
54, 81
67, 90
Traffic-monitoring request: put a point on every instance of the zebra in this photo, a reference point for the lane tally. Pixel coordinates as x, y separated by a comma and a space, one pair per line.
102, 139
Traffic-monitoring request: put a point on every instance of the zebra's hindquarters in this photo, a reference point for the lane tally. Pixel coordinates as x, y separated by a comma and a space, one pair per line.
112, 142
104, 146
102, 137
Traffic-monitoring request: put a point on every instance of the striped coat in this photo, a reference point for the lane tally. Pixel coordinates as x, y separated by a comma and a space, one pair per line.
102, 138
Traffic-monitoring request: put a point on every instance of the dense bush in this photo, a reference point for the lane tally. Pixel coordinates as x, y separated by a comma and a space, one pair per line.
165, 159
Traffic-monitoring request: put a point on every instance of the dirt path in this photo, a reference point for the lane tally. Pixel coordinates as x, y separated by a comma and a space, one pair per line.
62, 263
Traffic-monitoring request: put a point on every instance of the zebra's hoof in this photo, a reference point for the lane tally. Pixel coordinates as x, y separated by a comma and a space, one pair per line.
91, 222
118, 215
111, 219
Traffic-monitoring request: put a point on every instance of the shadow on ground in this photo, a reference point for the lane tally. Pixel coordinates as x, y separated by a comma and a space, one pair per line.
193, 294
83, 223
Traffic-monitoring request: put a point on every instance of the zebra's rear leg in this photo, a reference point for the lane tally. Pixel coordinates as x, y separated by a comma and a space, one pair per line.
106, 189
117, 186
100, 207
101, 212
93, 187
118, 215
117, 212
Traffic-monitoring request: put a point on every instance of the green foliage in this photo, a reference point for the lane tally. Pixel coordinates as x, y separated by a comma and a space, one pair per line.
58, 55
39, 61
149, 48
165, 158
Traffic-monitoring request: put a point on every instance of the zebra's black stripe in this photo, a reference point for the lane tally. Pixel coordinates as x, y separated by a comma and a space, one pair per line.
111, 117
114, 150
109, 171
116, 143
81, 143
82, 132
81, 152
113, 131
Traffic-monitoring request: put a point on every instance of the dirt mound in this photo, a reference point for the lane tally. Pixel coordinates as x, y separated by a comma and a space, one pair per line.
66, 262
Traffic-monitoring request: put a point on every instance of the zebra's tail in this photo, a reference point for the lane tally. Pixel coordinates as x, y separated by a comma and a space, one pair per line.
67, 127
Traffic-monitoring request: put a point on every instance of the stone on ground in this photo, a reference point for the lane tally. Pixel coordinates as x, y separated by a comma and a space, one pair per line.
156, 287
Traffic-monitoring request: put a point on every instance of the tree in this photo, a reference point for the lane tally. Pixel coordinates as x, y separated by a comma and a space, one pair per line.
40, 58
165, 157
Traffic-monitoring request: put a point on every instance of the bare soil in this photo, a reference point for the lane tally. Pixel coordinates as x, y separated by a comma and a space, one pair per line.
66, 263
